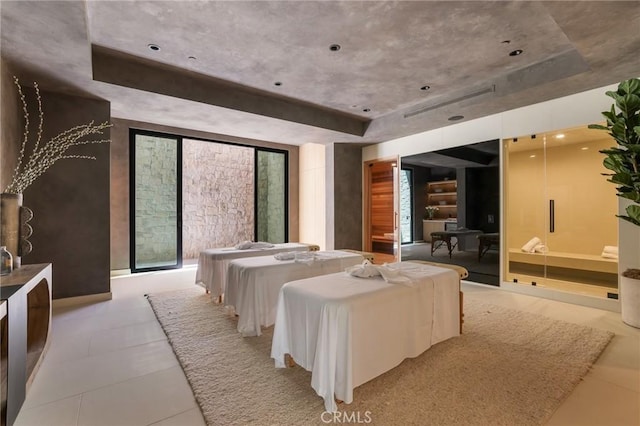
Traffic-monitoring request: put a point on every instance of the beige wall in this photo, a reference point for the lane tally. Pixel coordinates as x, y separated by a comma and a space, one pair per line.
585, 203
312, 195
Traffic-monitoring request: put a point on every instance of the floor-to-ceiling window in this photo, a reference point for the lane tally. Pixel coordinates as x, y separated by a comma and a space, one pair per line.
188, 195
271, 196
156, 203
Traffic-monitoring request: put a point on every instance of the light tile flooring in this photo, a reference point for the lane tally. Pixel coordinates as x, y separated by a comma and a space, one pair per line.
110, 364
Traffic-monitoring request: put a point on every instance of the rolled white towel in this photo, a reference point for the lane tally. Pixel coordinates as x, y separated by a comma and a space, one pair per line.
607, 255
306, 257
246, 245
364, 270
610, 250
530, 246
541, 248
285, 255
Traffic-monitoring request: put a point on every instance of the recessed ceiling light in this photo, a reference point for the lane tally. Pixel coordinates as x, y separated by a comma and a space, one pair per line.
516, 52
425, 88
532, 156
153, 47
506, 41
278, 83
560, 136
192, 58
456, 117
334, 47
366, 109
584, 148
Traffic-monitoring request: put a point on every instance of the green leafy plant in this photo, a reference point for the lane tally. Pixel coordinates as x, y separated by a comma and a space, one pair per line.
623, 124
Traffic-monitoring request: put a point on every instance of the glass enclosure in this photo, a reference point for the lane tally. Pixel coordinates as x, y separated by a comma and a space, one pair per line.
561, 228
156, 202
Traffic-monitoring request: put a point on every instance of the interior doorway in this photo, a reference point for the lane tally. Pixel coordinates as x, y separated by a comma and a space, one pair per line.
456, 206
381, 218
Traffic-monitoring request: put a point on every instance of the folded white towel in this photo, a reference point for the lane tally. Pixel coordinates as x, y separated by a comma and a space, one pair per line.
541, 248
392, 275
610, 250
365, 270
609, 255
285, 255
306, 257
246, 245
530, 246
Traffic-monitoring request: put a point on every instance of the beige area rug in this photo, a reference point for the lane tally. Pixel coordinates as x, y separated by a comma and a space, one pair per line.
508, 368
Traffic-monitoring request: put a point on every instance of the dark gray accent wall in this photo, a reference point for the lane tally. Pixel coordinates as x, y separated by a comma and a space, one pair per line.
10, 134
463, 190
120, 180
70, 200
420, 179
347, 196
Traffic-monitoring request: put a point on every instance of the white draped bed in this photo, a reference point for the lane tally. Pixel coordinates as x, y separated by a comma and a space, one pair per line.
348, 330
212, 263
253, 283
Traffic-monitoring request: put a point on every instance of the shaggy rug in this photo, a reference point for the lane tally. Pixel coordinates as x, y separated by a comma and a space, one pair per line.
508, 368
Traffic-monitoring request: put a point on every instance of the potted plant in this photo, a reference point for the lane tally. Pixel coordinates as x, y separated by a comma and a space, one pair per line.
623, 162
431, 212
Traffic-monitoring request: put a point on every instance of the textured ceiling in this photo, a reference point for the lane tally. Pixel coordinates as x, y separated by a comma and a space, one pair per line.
219, 62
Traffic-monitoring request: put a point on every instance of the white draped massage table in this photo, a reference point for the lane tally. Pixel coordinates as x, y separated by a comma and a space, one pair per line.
253, 284
348, 330
212, 263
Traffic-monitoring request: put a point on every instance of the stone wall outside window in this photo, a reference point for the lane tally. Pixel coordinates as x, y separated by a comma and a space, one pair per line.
217, 196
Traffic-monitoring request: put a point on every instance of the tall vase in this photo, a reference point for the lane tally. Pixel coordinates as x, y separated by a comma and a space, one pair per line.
630, 301
14, 229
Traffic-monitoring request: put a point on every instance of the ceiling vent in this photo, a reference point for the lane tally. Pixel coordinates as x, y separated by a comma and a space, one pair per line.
480, 92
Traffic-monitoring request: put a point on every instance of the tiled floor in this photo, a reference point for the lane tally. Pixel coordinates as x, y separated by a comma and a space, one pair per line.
109, 363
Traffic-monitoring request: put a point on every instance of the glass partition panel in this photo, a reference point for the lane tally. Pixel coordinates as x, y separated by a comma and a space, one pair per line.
526, 211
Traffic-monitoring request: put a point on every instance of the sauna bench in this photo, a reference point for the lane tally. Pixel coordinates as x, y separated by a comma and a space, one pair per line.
566, 260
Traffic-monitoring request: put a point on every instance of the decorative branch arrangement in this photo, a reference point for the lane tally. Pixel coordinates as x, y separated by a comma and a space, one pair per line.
45, 155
